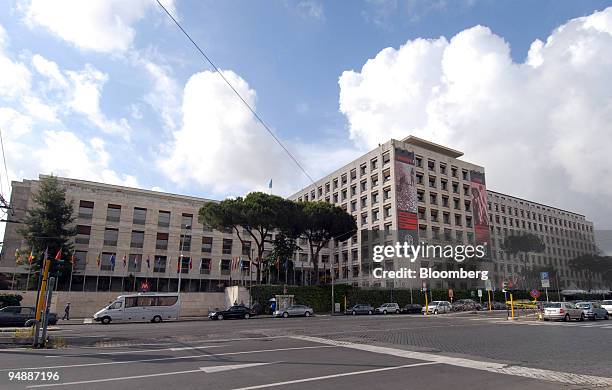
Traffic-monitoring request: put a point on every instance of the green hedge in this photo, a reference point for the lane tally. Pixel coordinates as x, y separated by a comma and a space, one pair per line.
10, 300
319, 297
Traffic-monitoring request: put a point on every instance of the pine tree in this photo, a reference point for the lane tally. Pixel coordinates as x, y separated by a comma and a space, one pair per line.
47, 226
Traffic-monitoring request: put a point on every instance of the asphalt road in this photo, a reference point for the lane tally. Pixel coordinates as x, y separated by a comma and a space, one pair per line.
393, 352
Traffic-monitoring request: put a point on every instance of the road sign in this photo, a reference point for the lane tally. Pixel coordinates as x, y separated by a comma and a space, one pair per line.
450, 293
479, 293
488, 286
545, 279
535, 294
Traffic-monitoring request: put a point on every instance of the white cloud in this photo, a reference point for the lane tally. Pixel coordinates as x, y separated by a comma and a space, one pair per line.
65, 154
15, 77
311, 9
219, 145
100, 25
540, 128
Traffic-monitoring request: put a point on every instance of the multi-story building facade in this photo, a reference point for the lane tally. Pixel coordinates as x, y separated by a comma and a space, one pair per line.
150, 230
565, 234
411, 188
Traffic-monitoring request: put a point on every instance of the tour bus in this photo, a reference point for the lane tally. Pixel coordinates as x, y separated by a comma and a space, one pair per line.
154, 307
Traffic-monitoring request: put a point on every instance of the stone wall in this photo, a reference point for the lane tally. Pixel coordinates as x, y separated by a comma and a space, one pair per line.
85, 304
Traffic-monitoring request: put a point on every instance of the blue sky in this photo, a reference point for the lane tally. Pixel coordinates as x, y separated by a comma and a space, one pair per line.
111, 91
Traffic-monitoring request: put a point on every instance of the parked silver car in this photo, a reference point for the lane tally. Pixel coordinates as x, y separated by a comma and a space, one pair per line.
562, 311
294, 311
593, 310
387, 308
437, 307
607, 305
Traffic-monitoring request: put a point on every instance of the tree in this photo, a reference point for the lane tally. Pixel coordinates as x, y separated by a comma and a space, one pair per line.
251, 218
592, 264
47, 227
321, 222
524, 243
283, 248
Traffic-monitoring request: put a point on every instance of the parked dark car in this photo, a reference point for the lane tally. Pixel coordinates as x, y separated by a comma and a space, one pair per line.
412, 308
233, 312
466, 305
19, 315
360, 309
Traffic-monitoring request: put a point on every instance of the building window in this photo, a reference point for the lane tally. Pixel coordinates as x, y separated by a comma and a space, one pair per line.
185, 243
185, 264
362, 170
246, 248
106, 264
431, 165
110, 237
83, 234
205, 266
140, 216
186, 221
86, 209
353, 174
113, 213
225, 266
135, 262
161, 241
137, 239
163, 220
80, 260
159, 264
227, 246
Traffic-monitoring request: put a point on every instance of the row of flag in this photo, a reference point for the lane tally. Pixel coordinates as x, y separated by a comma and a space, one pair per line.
237, 263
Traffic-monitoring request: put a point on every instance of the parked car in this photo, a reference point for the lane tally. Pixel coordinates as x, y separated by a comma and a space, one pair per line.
294, 311
593, 310
20, 315
233, 312
412, 308
360, 309
607, 305
387, 308
562, 311
437, 307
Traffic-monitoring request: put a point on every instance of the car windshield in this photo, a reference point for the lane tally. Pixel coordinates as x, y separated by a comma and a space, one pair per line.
583, 305
552, 305
606, 303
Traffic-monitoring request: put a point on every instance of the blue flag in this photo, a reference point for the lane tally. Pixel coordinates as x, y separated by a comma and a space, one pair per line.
270, 184
112, 261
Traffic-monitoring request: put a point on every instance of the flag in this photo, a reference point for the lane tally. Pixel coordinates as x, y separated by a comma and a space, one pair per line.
112, 261
148, 262
46, 255
58, 255
190, 264
98, 262
209, 265
178, 265
72, 258
270, 184
17, 257
31, 257
124, 261
220, 261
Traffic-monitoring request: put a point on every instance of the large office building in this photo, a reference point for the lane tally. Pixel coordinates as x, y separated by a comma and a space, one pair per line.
409, 190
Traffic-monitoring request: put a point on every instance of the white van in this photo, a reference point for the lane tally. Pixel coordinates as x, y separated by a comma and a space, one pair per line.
154, 307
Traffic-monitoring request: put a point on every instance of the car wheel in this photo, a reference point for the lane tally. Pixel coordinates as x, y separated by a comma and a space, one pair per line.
369, 311
285, 315
156, 319
397, 311
436, 311
307, 314
607, 317
594, 317
354, 312
384, 312
106, 320
220, 317
566, 318
581, 317
247, 316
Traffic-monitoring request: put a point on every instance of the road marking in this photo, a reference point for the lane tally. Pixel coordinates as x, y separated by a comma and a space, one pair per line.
229, 367
167, 358
136, 351
534, 373
318, 378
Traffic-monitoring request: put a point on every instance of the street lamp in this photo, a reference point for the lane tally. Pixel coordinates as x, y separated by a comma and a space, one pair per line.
181, 242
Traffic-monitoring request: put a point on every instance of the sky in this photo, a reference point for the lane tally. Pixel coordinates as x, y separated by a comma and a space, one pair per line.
111, 91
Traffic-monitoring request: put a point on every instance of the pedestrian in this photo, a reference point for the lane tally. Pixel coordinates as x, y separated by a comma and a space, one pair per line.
66, 312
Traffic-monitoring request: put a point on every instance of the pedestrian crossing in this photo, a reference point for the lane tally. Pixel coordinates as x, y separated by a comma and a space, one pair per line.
602, 324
